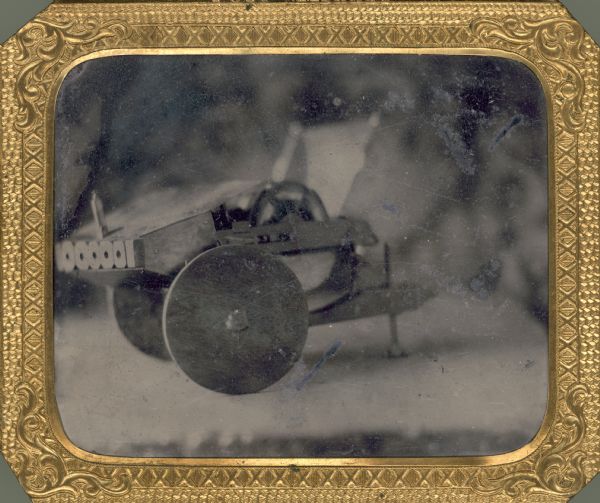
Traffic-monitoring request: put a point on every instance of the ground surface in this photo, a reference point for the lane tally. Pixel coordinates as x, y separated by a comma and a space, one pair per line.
471, 385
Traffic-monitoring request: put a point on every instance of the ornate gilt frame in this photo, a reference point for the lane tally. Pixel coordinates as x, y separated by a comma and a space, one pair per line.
555, 465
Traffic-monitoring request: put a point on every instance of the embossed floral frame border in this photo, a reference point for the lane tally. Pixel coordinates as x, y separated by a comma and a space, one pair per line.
555, 465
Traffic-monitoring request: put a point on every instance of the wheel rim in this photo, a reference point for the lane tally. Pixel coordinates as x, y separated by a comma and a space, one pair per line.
283, 199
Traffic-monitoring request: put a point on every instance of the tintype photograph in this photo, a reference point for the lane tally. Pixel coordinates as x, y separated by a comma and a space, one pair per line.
301, 255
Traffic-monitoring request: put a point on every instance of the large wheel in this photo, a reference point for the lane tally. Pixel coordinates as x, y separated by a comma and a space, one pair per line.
235, 319
287, 199
138, 309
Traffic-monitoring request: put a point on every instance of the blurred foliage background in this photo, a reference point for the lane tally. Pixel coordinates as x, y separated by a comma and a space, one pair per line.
454, 176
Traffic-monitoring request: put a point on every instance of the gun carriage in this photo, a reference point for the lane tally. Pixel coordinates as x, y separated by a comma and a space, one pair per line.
224, 288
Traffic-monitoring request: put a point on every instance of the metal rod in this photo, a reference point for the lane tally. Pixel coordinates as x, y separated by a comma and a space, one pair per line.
395, 349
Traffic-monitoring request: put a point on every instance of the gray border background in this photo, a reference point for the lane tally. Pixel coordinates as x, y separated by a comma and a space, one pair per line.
15, 13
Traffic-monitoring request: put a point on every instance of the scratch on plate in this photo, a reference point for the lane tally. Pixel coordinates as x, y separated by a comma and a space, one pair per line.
328, 355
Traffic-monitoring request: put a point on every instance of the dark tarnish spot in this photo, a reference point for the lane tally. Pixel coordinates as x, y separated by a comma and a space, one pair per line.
392, 208
486, 281
328, 355
294, 468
